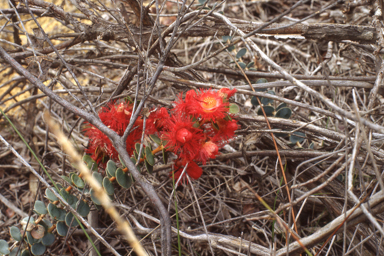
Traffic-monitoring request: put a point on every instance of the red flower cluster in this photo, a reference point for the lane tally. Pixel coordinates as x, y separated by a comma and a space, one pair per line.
194, 129
116, 117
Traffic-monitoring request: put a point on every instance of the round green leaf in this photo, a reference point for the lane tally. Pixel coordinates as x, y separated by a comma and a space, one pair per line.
77, 181
149, 167
69, 218
281, 105
31, 223
311, 146
122, 163
38, 232
4, 247
46, 223
38, 249
266, 101
30, 238
25, 253
61, 228
284, 113
241, 53
111, 168
83, 209
227, 39
67, 179
242, 65
261, 81
56, 213
108, 186
48, 239
71, 199
268, 111
94, 198
50, 195
297, 137
254, 101
233, 108
91, 164
149, 157
98, 177
123, 178
40, 207
15, 252
155, 138
15, 233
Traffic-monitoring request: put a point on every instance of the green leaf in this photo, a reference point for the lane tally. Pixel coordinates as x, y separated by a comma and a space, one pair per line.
15, 233
123, 178
149, 157
122, 163
39, 207
108, 186
94, 198
55, 212
137, 148
77, 181
254, 101
281, 105
38, 249
165, 156
155, 138
227, 39
284, 113
261, 81
311, 146
268, 111
50, 195
111, 168
14, 251
233, 108
91, 164
251, 64
149, 167
4, 247
71, 199
83, 209
30, 238
202, 2
242, 65
98, 177
297, 137
230, 48
241, 53
48, 239
67, 179
61, 228
46, 223
69, 218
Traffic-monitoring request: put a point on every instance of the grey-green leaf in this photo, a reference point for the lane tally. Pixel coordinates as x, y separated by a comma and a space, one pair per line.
155, 138
111, 168
38, 249
94, 198
284, 113
234, 108
149, 157
261, 81
40, 207
98, 177
15, 233
297, 137
123, 178
241, 53
83, 209
77, 181
50, 195
108, 186
4, 247
48, 239
56, 213
70, 220
268, 111
61, 228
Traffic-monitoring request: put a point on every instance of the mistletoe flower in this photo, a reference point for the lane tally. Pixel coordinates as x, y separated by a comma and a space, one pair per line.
209, 106
157, 121
117, 118
193, 170
226, 93
183, 139
208, 150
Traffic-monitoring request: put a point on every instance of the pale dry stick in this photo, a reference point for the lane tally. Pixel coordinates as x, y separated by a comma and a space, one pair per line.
368, 145
355, 149
325, 231
298, 83
375, 89
62, 200
13, 207
100, 193
201, 214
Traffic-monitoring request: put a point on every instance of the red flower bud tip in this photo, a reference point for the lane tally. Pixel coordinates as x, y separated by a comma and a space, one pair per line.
226, 93
183, 135
210, 149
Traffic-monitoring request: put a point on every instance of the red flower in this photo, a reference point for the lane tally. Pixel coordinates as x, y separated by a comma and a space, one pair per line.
183, 107
182, 138
226, 93
209, 105
117, 118
157, 121
193, 170
208, 150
